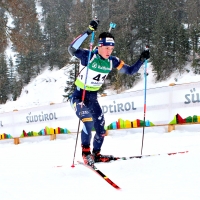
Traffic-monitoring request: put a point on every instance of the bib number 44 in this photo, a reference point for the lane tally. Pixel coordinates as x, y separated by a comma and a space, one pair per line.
99, 78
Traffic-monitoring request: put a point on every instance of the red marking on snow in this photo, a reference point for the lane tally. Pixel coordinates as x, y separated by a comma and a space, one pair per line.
73, 166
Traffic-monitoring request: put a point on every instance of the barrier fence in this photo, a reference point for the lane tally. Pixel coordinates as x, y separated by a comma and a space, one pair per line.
166, 106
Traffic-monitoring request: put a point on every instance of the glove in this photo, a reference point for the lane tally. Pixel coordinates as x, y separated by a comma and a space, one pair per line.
93, 25
145, 55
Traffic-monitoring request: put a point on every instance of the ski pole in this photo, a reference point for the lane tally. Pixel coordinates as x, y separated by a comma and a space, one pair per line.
83, 95
91, 43
145, 91
112, 26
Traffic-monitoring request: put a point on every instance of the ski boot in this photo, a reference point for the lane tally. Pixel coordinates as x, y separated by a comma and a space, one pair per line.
102, 158
88, 158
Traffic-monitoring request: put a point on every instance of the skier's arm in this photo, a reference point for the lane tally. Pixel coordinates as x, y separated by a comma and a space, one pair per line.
127, 69
75, 45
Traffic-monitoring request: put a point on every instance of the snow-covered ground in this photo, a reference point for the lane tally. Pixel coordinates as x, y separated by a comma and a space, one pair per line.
30, 170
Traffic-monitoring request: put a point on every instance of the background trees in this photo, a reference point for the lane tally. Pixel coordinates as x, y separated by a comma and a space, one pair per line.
171, 28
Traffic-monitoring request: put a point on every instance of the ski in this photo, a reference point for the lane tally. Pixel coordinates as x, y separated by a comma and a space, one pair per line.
139, 156
101, 174
143, 156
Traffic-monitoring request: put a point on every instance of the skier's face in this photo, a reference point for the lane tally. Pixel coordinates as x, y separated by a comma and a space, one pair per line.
105, 51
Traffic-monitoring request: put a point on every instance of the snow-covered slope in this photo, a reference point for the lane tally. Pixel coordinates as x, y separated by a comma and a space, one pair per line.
49, 87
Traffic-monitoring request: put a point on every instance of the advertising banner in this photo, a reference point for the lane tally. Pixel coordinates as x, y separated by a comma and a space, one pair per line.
162, 104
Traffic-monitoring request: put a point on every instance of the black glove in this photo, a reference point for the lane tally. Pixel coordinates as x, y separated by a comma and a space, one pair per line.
145, 55
93, 25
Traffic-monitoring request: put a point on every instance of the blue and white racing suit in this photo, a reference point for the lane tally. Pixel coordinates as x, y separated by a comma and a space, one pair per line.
91, 113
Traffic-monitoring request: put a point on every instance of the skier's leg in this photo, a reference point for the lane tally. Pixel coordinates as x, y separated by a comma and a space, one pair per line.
86, 133
84, 115
99, 122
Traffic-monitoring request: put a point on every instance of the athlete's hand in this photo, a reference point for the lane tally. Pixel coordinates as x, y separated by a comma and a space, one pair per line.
93, 25
145, 54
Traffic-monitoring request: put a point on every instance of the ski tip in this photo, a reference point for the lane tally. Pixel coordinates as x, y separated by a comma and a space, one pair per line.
117, 187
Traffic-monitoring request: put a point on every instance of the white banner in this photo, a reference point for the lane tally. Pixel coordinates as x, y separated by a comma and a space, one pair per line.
162, 104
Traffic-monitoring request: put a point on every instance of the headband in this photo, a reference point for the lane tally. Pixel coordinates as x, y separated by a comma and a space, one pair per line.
106, 42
